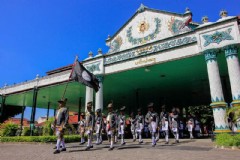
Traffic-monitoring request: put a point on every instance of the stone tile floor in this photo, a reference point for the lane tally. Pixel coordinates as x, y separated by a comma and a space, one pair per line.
198, 149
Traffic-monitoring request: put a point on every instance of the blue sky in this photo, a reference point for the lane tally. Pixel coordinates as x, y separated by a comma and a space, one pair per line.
40, 35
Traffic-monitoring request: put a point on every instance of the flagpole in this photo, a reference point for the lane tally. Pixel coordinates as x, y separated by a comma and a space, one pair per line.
76, 58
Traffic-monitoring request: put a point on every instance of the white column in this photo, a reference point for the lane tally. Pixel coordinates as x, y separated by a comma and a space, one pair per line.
89, 96
99, 95
234, 73
231, 54
218, 104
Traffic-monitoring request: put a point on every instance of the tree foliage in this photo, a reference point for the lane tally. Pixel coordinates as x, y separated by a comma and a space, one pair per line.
8, 129
10, 111
234, 113
204, 113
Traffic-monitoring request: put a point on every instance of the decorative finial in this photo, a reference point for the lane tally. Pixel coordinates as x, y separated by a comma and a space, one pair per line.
99, 51
187, 10
205, 19
5, 85
223, 13
141, 8
37, 77
90, 54
108, 38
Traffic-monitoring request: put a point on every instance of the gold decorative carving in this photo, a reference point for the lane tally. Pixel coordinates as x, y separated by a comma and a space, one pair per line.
143, 26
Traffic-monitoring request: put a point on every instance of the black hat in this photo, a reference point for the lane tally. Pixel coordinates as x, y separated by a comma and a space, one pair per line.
123, 108
150, 105
62, 101
139, 110
90, 103
98, 110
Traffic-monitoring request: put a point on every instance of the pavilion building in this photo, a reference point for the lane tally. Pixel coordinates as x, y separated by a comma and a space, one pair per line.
156, 56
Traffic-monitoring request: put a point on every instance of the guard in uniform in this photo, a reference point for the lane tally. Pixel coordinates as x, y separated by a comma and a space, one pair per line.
111, 125
121, 124
89, 125
152, 120
115, 113
174, 123
139, 125
190, 126
133, 122
99, 126
81, 128
61, 120
164, 123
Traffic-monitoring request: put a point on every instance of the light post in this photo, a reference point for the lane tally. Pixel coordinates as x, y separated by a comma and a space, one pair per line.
35, 92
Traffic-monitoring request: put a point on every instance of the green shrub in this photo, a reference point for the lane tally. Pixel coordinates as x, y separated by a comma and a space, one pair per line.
70, 130
226, 139
8, 129
26, 131
47, 130
42, 139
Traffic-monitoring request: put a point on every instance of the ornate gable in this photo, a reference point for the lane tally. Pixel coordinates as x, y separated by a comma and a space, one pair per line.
148, 25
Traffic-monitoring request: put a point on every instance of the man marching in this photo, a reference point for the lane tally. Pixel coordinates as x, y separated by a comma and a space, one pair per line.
121, 124
111, 125
81, 128
164, 123
190, 126
99, 126
61, 120
152, 120
89, 123
132, 120
174, 123
139, 125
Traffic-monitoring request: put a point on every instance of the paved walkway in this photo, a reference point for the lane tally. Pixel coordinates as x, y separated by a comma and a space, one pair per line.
186, 150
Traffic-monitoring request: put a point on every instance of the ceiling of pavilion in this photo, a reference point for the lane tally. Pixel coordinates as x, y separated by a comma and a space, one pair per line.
177, 83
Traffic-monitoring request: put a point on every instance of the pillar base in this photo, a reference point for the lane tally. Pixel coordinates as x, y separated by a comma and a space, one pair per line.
235, 103
218, 104
222, 131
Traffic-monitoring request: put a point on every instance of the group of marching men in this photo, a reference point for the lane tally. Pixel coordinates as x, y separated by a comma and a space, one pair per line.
115, 125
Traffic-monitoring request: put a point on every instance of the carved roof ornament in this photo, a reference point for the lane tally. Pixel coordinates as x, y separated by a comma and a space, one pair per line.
187, 10
141, 8
223, 13
90, 54
205, 19
108, 38
99, 51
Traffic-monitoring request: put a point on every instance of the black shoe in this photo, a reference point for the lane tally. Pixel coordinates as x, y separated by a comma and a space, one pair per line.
140, 142
111, 148
91, 146
82, 143
56, 152
166, 142
177, 141
98, 143
123, 143
134, 140
157, 139
63, 149
87, 148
